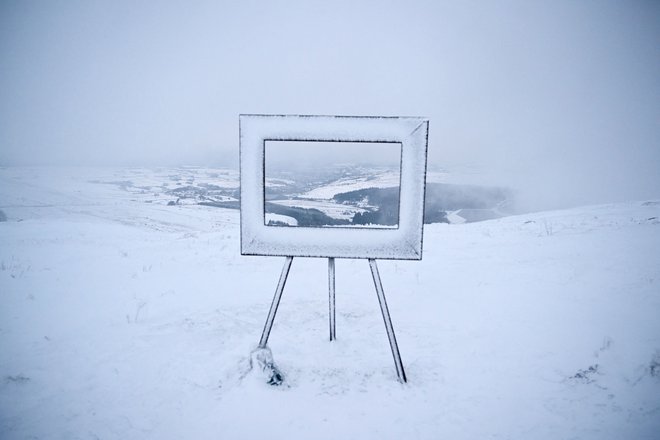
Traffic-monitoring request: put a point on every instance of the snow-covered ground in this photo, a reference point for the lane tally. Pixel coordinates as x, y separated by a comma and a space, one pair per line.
281, 218
124, 318
329, 208
379, 179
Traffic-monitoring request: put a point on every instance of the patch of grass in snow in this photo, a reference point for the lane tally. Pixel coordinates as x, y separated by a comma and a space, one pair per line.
585, 376
18, 379
654, 366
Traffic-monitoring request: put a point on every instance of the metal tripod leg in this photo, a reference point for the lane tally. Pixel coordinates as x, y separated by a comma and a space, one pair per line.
276, 302
388, 321
331, 301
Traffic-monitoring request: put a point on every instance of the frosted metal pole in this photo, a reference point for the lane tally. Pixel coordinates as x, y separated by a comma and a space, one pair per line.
388, 321
331, 301
276, 302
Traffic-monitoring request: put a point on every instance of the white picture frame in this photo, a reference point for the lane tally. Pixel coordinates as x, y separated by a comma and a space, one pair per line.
401, 243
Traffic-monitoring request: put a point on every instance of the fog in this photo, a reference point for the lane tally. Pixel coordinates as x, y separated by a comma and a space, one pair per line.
317, 155
558, 100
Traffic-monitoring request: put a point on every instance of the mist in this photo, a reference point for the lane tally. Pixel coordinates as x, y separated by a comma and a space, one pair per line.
558, 100
292, 155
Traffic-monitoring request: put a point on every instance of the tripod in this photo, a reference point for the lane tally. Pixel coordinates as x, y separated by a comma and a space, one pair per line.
331, 287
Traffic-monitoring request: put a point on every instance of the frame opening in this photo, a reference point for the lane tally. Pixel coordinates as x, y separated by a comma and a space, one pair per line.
326, 184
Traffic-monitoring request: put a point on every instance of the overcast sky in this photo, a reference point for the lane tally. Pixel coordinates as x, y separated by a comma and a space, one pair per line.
558, 99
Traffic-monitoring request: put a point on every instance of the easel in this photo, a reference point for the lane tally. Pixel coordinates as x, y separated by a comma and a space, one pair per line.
331, 287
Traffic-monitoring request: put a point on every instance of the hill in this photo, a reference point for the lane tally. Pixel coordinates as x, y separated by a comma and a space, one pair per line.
123, 317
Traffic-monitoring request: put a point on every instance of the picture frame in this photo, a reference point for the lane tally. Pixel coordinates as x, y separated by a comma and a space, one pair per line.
403, 242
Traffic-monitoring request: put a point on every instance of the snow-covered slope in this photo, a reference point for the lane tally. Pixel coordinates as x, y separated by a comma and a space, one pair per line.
125, 318
381, 179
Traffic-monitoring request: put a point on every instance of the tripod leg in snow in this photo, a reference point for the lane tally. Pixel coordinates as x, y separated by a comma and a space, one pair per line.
331, 300
275, 304
388, 321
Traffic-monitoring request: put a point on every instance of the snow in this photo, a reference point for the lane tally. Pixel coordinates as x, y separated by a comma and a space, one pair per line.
453, 217
382, 179
334, 210
281, 218
125, 319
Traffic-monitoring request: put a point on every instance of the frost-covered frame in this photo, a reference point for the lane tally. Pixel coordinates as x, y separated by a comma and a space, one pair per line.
402, 243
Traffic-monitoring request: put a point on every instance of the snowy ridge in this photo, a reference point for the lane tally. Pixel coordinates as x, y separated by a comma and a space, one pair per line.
334, 210
283, 219
383, 179
121, 317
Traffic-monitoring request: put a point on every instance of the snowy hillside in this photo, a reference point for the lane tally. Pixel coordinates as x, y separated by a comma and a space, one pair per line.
124, 318
380, 180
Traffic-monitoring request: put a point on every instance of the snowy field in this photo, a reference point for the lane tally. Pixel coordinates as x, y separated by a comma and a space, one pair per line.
124, 318
380, 179
331, 209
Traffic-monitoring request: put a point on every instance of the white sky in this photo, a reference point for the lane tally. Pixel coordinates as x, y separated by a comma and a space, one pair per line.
560, 99
295, 155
